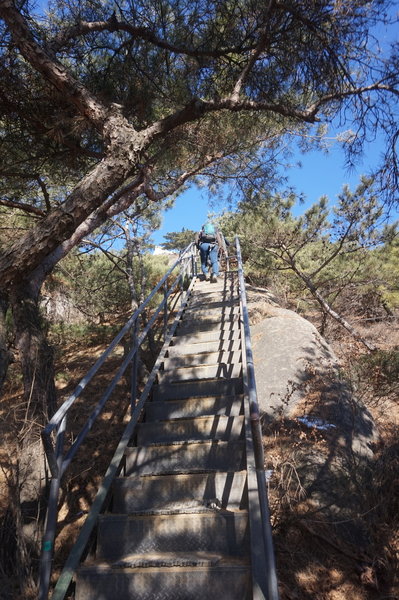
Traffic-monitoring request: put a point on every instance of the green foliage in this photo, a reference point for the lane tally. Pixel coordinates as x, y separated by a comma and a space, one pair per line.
342, 254
219, 72
388, 260
254, 222
92, 284
155, 268
178, 240
88, 334
153, 58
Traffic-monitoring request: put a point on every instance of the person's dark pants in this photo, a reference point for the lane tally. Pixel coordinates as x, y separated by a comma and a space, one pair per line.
207, 249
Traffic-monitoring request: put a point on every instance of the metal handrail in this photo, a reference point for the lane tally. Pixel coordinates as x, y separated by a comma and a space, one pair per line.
263, 561
56, 420
82, 542
58, 461
263, 587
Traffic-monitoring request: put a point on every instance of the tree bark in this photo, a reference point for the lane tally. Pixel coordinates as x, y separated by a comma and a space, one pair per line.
29, 477
4, 353
35, 354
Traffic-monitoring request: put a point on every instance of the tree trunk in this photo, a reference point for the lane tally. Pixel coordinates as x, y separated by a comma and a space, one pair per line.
4, 354
29, 477
27, 254
35, 354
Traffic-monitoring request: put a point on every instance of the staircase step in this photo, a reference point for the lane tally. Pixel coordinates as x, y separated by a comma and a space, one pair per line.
204, 300
218, 345
213, 371
171, 492
204, 322
185, 458
211, 387
198, 306
225, 335
179, 529
228, 580
200, 283
169, 559
221, 285
206, 358
206, 313
219, 531
221, 324
193, 407
208, 298
223, 280
215, 427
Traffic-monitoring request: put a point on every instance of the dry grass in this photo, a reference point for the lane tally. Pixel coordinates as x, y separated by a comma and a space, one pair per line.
82, 480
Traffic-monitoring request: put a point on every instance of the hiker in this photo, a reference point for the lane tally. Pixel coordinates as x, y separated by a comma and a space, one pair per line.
208, 242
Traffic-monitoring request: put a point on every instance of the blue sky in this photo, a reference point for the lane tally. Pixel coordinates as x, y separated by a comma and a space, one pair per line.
320, 174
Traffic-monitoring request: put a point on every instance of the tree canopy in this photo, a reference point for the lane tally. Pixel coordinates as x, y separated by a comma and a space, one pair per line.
336, 257
106, 106
178, 240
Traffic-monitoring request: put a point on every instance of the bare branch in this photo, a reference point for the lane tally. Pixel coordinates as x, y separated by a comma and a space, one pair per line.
143, 33
33, 210
284, 256
53, 71
353, 91
198, 108
264, 39
45, 193
337, 250
111, 257
177, 183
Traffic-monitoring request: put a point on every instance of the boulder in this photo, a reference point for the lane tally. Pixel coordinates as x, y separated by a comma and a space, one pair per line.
298, 376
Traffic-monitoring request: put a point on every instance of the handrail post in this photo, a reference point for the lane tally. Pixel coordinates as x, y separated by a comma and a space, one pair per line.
225, 254
165, 311
134, 368
193, 263
51, 518
181, 283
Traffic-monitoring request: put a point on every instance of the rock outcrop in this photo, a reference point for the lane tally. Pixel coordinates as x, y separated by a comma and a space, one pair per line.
298, 375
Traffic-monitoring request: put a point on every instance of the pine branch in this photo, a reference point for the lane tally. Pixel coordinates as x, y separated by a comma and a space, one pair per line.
27, 208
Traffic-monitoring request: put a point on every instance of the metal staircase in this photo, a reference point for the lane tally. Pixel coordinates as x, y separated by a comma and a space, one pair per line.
188, 516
